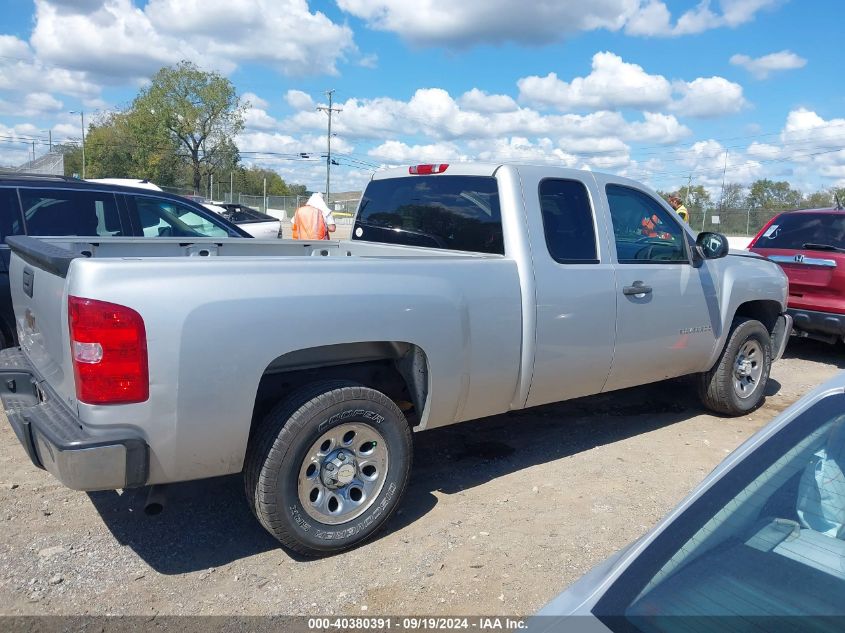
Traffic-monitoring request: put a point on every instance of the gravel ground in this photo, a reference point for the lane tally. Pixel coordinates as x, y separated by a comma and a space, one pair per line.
501, 515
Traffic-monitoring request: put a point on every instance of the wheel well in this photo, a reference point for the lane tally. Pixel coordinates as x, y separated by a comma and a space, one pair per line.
766, 312
397, 369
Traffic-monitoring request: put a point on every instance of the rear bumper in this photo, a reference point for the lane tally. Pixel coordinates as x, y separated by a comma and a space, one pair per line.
828, 323
56, 440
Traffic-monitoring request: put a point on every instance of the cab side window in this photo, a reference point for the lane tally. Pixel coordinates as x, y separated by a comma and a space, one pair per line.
643, 230
10, 213
70, 212
162, 217
568, 221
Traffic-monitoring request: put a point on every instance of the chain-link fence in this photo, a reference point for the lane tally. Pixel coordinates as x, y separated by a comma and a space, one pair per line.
745, 222
286, 205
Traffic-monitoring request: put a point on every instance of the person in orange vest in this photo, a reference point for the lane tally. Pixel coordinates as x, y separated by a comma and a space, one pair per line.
313, 220
650, 225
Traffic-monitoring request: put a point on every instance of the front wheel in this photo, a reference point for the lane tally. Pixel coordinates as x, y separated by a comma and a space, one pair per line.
328, 467
736, 384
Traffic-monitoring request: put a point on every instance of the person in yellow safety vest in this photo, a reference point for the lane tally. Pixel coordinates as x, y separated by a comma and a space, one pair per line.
313, 220
679, 208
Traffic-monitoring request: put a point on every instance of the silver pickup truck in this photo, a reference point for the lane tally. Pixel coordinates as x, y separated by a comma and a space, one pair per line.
467, 290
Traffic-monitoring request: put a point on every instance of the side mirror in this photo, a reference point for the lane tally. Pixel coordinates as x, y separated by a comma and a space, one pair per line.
712, 245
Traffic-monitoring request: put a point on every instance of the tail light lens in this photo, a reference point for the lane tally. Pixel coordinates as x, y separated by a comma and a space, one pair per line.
108, 344
425, 170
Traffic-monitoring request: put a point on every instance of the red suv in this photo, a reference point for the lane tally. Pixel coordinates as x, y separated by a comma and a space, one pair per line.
810, 247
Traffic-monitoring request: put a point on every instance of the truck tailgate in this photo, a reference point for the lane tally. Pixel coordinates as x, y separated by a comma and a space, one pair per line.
37, 277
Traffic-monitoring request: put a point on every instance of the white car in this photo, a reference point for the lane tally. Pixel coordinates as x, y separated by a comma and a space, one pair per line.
127, 182
259, 225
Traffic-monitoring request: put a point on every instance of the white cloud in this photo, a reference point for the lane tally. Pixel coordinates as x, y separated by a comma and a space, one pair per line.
254, 100
473, 22
397, 153
816, 145
23, 76
368, 61
299, 100
12, 47
708, 97
708, 163
258, 119
654, 18
492, 21
479, 101
656, 128
764, 151
612, 83
30, 105
116, 41
762, 67
520, 149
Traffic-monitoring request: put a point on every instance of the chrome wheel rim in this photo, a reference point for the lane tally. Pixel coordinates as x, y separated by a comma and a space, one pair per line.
343, 473
748, 368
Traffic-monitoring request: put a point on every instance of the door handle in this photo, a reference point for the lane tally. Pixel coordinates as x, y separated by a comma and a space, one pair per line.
638, 288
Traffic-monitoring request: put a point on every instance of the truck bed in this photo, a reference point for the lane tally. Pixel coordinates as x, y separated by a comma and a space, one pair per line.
58, 252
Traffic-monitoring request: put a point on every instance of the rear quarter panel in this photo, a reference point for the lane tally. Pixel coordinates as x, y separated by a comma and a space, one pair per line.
214, 324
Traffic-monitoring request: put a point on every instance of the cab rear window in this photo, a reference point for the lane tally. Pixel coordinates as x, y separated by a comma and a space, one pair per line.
449, 212
794, 230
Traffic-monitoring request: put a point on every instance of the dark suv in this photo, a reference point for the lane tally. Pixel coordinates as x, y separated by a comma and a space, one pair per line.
55, 205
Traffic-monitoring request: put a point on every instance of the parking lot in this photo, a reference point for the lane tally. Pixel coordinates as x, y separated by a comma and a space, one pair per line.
501, 514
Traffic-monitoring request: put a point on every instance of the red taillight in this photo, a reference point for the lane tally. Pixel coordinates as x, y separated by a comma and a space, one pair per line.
753, 242
425, 170
108, 345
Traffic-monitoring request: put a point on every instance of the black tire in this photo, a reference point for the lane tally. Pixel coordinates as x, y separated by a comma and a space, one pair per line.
718, 388
278, 449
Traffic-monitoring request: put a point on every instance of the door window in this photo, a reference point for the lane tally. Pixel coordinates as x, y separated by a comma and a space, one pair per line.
70, 212
161, 217
644, 231
568, 221
10, 213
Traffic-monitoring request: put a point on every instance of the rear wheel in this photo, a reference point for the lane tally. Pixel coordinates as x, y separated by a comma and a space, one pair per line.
328, 466
736, 384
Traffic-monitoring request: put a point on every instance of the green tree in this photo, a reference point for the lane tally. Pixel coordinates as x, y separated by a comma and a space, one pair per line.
200, 111
732, 196
250, 181
819, 199
767, 194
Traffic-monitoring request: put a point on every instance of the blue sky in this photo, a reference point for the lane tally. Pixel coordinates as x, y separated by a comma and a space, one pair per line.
658, 90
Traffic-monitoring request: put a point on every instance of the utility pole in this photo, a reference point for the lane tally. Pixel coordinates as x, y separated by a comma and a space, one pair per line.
231, 186
329, 111
722, 200
82, 121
